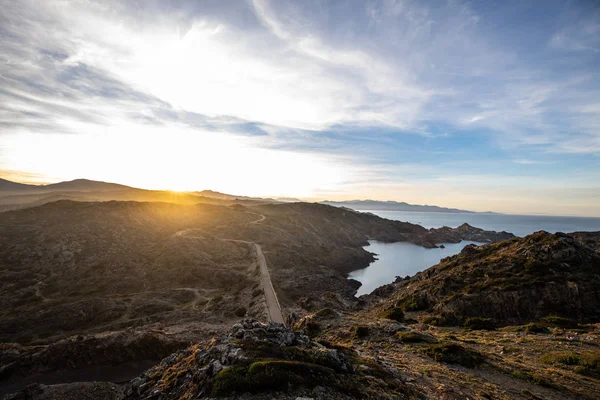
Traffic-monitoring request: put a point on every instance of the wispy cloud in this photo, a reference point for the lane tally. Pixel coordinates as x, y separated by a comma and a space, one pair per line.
389, 91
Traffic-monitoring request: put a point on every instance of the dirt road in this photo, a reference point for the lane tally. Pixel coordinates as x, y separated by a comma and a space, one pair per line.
270, 296
273, 307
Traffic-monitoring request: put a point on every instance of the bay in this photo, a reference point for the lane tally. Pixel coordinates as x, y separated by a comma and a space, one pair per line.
399, 259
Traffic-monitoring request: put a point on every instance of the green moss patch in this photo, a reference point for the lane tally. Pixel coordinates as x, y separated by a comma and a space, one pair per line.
412, 303
270, 375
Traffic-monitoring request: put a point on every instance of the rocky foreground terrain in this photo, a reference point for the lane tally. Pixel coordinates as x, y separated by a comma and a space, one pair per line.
104, 291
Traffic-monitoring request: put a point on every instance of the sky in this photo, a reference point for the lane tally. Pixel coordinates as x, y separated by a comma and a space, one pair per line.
480, 105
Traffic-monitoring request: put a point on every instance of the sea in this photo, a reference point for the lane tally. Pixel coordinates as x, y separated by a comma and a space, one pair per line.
402, 259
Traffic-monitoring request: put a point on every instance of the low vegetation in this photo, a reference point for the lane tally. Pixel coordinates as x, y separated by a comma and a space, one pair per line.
361, 331
414, 337
585, 363
395, 314
536, 379
454, 354
559, 322
435, 321
269, 375
535, 328
478, 323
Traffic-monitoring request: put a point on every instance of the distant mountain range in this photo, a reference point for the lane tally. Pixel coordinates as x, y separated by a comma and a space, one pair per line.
15, 195
375, 205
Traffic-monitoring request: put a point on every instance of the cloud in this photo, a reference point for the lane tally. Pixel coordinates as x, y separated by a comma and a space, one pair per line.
388, 64
525, 161
581, 36
394, 91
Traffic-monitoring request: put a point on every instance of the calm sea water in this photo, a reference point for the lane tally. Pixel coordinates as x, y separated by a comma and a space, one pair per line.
401, 259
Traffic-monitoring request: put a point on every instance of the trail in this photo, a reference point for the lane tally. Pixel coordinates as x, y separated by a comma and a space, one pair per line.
273, 307
261, 219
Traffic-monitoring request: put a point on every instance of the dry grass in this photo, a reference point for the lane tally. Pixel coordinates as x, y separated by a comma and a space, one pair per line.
513, 367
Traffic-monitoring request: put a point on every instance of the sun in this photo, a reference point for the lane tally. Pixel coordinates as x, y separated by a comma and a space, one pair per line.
179, 159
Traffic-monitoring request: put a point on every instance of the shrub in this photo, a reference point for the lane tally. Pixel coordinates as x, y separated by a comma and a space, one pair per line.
526, 376
477, 323
395, 314
534, 328
556, 321
326, 313
436, 321
561, 358
413, 337
361, 331
431, 320
256, 292
308, 325
412, 304
586, 363
454, 354
241, 312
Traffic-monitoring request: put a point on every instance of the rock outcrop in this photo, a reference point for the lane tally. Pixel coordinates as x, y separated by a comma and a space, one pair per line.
256, 360
589, 239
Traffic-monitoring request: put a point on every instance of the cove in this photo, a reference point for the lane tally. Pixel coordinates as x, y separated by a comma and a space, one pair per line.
399, 259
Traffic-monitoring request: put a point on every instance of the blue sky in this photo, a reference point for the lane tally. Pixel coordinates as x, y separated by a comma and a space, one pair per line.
486, 105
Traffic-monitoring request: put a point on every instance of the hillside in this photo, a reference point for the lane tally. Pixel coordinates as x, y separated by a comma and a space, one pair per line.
513, 281
8, 186
15, 196
70, 267
517, 319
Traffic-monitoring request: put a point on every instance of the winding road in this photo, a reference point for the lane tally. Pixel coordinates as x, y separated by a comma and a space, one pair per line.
271, 301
